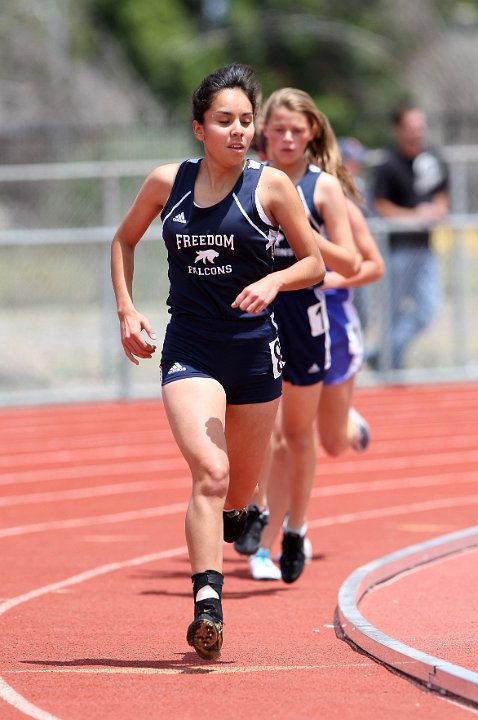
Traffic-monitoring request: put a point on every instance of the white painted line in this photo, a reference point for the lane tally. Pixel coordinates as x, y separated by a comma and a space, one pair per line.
109, 469
20, 703
217, 669
324, 491
88, 575
126, 516
66, 453
394, 510
11, 696
413, 481
88, 492
132, 515
436, 673
172, 463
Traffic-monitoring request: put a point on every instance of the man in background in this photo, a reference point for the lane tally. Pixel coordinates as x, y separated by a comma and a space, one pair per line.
411, 187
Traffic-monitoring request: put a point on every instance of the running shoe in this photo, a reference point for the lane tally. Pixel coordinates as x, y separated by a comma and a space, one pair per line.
250, 539
292, 559
362, 433
262, 567
205, 632
234, 524
308, 552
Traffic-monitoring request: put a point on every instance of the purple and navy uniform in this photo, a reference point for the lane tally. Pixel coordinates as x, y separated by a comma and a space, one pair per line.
320, 331
346, 342
344, 329
302, 314
213, 254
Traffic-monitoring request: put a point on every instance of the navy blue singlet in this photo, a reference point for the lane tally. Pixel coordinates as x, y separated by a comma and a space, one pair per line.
330, 322
283, 254
214, 252
345, 333
301, 314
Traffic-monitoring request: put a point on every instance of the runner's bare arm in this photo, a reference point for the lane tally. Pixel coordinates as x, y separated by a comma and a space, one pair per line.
145, 208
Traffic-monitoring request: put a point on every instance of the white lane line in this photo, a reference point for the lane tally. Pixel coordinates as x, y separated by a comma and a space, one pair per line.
169, 464
89, 492
77, 445
125, 448
88, 575
11, 696
216, 669
325, 491
132, 515
107, 469
126, 516
395, 510
454, 478
67, 455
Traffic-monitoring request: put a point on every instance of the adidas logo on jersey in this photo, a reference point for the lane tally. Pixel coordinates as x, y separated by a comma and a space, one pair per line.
177, 367
180, 218
313, 369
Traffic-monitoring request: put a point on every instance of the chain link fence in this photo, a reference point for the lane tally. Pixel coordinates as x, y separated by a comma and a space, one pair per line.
59, 335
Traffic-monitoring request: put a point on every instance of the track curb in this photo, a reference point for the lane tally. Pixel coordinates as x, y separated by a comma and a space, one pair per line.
435, 673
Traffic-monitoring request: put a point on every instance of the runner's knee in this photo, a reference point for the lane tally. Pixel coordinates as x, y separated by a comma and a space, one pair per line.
213, 478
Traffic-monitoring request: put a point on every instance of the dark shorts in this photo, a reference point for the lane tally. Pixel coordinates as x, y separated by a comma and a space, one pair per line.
244, 356
304, 335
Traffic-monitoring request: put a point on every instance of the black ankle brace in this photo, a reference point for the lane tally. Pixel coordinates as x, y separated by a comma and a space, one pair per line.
209, 577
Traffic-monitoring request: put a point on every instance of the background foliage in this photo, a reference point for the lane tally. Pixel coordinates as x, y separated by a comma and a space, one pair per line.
348, 54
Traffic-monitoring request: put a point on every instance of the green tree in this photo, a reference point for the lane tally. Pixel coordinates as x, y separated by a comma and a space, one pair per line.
349, 55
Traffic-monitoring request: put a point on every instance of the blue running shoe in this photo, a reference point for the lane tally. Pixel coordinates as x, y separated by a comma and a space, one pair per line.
262, 567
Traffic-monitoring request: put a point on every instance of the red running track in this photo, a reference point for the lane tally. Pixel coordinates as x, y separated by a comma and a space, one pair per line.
95, 592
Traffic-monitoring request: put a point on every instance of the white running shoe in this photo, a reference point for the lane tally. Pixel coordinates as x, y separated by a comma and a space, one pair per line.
362, 437
308, 552
262, 567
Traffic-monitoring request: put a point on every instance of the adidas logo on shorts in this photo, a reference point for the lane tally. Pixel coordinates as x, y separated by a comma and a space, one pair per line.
180, 218
313, 369
177, 367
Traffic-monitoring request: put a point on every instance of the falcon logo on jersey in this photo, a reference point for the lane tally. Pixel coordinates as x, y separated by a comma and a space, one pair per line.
206, 255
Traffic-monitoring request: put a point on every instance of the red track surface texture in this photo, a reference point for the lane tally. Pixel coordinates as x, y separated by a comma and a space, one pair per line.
95, 589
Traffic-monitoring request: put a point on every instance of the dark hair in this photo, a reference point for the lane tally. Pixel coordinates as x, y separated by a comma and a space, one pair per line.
231, 76
398, 113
